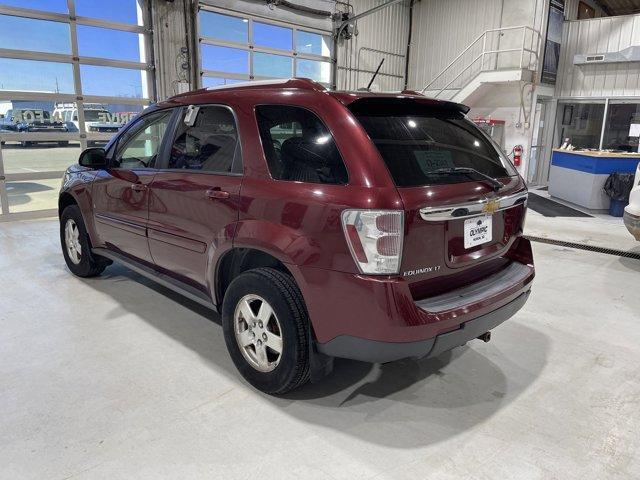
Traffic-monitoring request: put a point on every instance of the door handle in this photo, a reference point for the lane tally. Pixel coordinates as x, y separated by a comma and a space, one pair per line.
217, 194
138, 187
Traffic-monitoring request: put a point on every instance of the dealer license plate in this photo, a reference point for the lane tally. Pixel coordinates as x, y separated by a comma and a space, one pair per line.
477, 230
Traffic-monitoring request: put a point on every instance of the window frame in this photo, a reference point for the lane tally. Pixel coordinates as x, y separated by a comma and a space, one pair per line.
319, 117
251, 47
236, 170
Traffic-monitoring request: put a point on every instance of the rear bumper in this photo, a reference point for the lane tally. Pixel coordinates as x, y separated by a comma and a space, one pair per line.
380, 352
377, 318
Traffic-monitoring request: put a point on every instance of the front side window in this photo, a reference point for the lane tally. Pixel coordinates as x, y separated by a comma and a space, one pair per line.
208, 144
298, 146
139, 146
424, 145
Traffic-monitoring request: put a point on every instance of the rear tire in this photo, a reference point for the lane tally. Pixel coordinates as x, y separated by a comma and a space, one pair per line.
76, 247
266, 305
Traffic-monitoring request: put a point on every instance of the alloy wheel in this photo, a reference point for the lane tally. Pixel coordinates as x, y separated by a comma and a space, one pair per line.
72, 241
258, 333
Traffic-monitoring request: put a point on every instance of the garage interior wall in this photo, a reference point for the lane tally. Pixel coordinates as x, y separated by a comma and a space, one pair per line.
359, 57
599, 35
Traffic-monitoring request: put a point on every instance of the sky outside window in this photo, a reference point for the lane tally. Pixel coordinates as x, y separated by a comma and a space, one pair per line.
35, 76
224, 27
122, 11
56, 6
20, 33
272, 36
108, 43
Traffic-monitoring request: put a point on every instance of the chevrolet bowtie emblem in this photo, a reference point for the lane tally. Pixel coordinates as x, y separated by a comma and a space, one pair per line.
491, 206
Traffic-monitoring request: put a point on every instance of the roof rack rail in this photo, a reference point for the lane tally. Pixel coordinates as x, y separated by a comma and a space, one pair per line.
296, 82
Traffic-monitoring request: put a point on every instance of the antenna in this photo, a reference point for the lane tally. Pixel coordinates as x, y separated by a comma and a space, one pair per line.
375, 74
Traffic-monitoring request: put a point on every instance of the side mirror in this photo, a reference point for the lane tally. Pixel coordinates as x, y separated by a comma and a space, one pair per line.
93, 158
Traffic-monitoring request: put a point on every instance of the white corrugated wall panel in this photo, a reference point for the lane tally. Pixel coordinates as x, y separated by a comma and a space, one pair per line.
601, 35
442, 29
386, 30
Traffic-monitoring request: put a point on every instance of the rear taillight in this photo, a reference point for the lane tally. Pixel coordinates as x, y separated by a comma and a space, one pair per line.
375, 239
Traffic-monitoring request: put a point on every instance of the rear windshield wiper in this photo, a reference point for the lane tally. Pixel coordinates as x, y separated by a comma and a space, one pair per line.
495, 184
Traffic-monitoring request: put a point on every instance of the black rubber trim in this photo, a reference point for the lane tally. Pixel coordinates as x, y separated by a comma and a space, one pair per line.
374, 351
582, 246
164, 280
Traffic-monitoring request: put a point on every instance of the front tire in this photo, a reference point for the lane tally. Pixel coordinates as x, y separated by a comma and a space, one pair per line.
76, 247
266, 329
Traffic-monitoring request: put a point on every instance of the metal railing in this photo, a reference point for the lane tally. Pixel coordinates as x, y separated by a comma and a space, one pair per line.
494, 49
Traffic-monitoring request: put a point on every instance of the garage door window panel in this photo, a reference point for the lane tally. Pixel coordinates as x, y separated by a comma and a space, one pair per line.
120, 11
34, 35
209, 145
318, 71
272, 36
224, 27
35, 75
55, 6
225, 59
108, 43
313, 43
272, 66
113, 81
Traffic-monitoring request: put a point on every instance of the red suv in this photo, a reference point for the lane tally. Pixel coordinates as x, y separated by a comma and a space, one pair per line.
321, 224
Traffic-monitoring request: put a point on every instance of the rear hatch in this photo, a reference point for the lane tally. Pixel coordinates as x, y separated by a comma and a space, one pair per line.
464, 202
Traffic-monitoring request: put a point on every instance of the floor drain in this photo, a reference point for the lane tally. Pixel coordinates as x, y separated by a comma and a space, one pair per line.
589, 248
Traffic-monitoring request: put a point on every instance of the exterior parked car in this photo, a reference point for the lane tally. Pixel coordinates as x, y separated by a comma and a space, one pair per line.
97, 119
32, 121
321, 224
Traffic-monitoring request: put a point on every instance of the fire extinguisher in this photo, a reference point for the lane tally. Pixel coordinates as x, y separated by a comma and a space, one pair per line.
517, 155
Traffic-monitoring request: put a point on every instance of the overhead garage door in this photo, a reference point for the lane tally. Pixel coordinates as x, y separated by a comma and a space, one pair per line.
71, 73
236, 47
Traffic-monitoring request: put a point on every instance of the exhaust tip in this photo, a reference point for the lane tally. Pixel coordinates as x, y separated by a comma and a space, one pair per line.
485, 337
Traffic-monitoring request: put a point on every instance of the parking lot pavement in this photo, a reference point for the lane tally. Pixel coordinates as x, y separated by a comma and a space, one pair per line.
38, 158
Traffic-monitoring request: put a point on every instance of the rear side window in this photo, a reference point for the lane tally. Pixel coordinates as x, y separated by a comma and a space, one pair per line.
298, 146
209, 145
424, 146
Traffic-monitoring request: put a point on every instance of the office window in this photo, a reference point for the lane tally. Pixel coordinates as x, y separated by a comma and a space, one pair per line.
620, 118
581, 123
209, 145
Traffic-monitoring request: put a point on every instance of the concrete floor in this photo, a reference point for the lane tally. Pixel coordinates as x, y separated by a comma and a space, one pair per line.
114, 378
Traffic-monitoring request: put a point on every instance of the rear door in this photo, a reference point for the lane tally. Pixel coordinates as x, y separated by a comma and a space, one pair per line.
121, 193
195, 195
464, 201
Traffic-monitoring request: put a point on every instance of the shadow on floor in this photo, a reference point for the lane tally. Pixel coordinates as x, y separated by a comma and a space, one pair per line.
402, 404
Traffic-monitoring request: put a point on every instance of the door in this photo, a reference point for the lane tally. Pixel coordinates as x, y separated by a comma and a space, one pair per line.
121, 193
195, 194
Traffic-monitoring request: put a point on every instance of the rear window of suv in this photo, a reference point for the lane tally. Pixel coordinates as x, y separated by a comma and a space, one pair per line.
422, 145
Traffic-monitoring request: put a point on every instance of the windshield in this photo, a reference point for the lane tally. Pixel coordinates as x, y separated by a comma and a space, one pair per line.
425, 147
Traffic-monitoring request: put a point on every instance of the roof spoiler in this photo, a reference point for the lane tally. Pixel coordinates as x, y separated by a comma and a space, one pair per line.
402, 105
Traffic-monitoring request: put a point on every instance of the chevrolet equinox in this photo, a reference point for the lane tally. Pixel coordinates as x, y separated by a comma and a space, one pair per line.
320, 224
